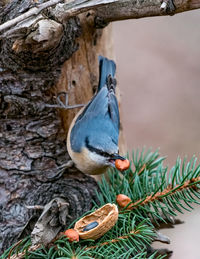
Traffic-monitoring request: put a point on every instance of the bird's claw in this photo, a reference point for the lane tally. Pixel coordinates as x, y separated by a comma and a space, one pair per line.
63, 104
60, 102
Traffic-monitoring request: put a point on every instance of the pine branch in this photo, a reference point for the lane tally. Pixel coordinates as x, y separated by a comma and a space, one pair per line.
132, 233
152, 192
155, 196
22, 254
146, 160
127, 236
166, 192
131, 242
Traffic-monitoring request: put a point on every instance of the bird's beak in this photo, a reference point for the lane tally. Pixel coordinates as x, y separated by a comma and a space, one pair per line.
117, 156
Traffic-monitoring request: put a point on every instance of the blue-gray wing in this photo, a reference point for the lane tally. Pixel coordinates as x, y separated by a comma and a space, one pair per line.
100, 120
113, 110
104, 103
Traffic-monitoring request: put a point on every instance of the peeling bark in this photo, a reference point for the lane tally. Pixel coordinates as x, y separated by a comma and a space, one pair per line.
32, 137
105, 10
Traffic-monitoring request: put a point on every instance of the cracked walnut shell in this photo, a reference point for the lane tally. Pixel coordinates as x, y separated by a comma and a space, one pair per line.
106, 217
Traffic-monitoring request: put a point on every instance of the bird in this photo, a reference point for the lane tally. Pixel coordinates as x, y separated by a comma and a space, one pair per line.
93, 135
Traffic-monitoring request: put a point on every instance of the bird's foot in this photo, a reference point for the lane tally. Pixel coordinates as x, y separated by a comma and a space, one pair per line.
168, 6
62, 102
62, 169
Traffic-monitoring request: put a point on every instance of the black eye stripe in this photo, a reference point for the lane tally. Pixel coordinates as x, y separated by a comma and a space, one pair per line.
96, 150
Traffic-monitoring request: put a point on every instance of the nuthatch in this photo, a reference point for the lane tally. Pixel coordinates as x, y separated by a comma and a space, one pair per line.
92, 139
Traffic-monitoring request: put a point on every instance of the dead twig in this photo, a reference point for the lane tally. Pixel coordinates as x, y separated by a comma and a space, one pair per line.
32, 12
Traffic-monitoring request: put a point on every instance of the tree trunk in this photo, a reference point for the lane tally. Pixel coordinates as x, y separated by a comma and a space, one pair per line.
35, 66
44, 52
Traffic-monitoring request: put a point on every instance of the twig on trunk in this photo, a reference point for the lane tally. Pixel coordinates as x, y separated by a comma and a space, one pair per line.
107, 10
32, 12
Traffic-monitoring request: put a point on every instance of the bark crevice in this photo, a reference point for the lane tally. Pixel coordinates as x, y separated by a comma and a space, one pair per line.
32, 138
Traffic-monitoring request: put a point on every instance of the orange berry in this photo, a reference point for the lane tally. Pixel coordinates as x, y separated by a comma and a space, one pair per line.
123, 200
72, 234
122, 164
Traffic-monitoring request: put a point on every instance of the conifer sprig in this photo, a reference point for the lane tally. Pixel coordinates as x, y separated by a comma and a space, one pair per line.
167, 192
156, 196
154, 193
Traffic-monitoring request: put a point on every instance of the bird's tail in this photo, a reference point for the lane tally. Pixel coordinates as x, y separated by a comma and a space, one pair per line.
106, 67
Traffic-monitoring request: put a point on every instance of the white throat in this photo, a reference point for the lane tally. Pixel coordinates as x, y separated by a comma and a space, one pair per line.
98, 159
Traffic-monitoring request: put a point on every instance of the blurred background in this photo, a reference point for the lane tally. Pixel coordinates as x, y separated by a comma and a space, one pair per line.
158, 72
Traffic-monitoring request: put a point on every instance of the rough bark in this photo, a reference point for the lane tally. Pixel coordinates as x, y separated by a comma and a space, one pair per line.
32, 135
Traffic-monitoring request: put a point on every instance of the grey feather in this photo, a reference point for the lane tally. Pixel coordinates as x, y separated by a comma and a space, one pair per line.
99, 122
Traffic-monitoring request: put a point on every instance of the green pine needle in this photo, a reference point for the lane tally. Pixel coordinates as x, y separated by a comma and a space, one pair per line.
153, 192
155, 195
